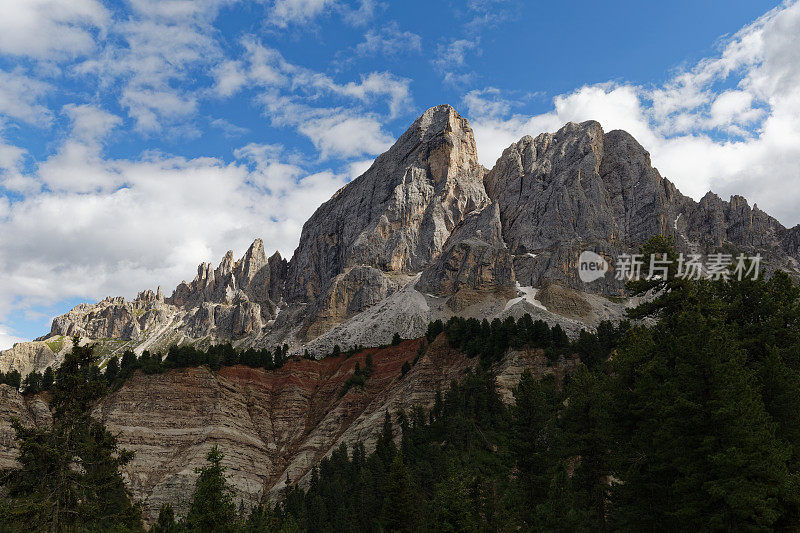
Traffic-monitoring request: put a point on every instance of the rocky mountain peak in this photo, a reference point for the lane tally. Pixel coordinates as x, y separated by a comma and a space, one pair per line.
427, 232
397, 216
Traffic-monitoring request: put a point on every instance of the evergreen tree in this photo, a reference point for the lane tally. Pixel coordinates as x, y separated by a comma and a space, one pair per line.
13, 379
32, 383
453, 509
166, 521
212, 507
69, 477
112, 370
688, 403
398, 505
48, 378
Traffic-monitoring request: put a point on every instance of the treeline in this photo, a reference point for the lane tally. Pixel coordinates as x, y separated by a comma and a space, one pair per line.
117, 369
491, 340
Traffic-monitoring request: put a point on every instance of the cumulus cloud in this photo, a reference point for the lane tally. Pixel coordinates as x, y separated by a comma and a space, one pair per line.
149, 220
346, 136
20, 98
284, 90
78, 164
265, 67
149, 59
730, 124
45, 29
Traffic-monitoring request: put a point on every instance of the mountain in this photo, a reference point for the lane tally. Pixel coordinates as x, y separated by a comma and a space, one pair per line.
425, 233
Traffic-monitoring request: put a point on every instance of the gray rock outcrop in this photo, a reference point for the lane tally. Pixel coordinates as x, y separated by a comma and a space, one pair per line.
396, 217
474, 258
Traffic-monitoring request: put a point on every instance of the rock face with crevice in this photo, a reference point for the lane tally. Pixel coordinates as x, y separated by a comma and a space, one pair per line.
474, 258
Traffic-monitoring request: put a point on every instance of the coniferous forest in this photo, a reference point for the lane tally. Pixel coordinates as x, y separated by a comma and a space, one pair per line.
685, 418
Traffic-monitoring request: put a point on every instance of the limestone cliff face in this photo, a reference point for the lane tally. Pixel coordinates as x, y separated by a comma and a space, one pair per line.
397, 216
233, 300
474, 258
581, 188
30, 411
269, 425
25, 357
713, 223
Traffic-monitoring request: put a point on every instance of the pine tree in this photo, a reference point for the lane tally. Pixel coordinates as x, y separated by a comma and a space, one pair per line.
212, 507
398, 505
112, 370
166, 521
687, 402
535, 437
453, 510
48, 378
69, 475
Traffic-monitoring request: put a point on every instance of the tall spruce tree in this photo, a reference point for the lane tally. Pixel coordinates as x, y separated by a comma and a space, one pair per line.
212, 508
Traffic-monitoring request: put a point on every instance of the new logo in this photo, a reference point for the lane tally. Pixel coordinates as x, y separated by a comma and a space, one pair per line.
591, 266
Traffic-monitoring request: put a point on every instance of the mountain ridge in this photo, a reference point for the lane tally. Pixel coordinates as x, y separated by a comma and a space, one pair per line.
427, 232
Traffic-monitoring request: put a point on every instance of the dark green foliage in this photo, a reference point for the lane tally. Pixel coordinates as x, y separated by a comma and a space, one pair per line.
398, 512
359, 377
32, 383
69, 475
12, 379
112, 370
405, 369
434, 329
212, 507
490, 341
48, 378
166, 521
396, 339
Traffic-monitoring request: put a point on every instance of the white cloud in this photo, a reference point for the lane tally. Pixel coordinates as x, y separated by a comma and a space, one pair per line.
286, 88
487, 103
346, 136
360, 16
266, 68
162, 216
46, 29
451, 60
7, 340
229, 78
286, 12
229, 129
150, 59
454, 54
78, 164
388, 41
20, 98
730, 124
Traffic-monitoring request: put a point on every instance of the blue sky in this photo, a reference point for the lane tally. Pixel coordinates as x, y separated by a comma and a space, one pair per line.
139, 138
